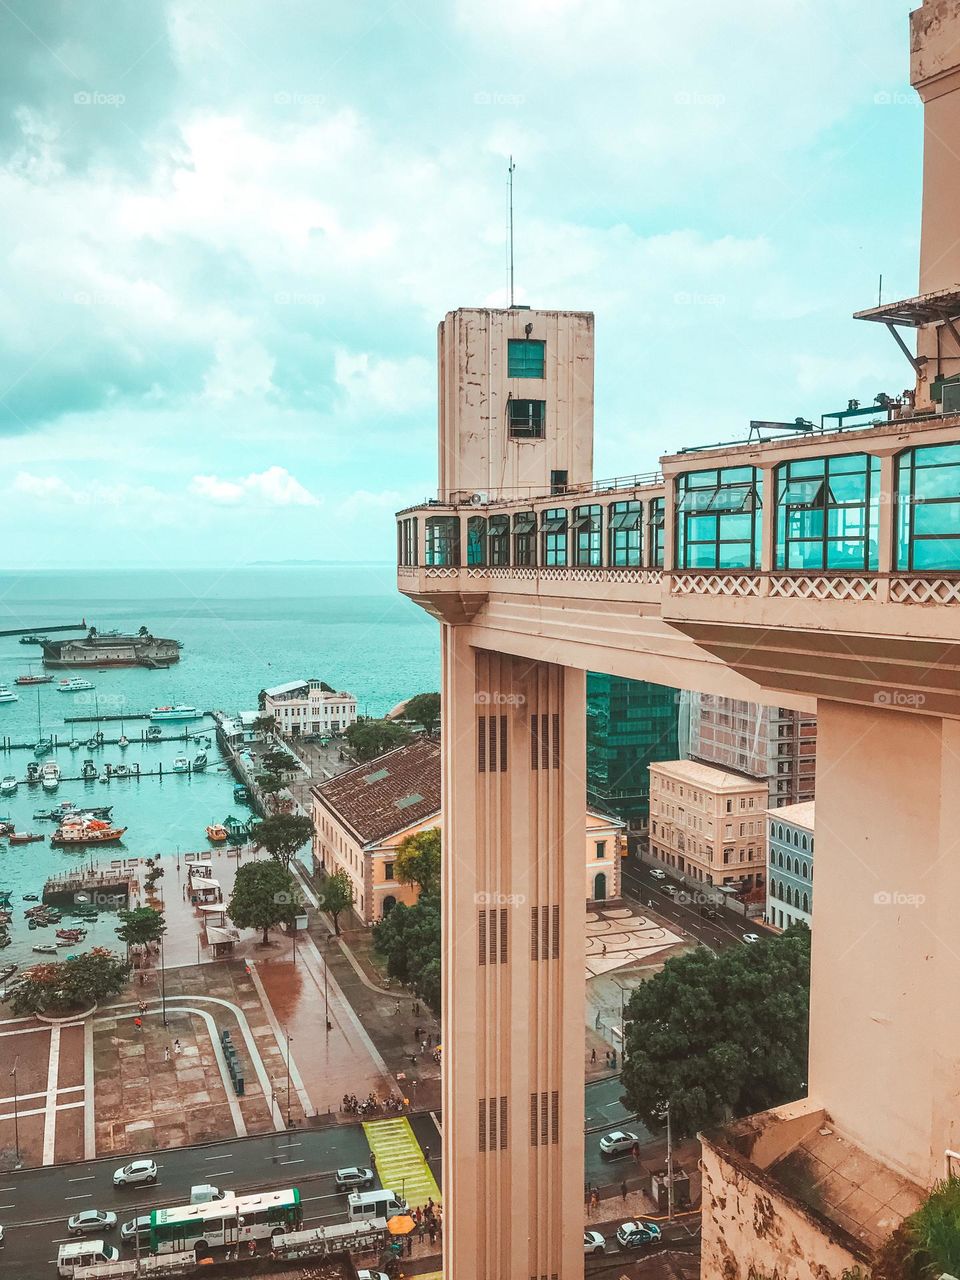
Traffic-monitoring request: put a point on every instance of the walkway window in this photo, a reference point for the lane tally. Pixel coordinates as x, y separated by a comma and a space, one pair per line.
498, 539
525, 538
718, 519
586, 539
477, 540
526, 418
928, 509
624, 536
658, 512
442, 541
525, 358
553, 530
828, 513
407, 541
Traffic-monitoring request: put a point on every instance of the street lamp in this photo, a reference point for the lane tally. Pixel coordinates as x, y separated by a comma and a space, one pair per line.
289, 1038
163, 984
16, 1109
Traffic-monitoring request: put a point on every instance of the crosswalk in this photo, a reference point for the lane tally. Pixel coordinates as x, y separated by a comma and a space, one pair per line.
400, 1162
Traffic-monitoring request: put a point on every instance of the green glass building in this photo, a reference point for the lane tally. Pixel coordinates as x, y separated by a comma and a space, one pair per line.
630, 724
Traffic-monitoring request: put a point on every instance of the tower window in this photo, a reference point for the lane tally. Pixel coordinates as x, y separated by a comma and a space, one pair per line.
525, 358
527, 419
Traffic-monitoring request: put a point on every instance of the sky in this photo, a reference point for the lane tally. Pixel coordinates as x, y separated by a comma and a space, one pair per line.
230, 227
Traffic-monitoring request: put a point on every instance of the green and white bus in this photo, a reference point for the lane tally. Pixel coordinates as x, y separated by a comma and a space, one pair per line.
225, 1223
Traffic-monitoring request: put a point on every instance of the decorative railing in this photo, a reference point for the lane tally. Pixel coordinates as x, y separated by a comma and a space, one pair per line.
925, 591
718, 584
823, 587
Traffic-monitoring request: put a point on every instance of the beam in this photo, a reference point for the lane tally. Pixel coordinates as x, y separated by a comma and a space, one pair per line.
915, 362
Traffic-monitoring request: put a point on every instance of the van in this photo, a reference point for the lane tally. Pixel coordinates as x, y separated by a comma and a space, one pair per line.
374, 1204
73, 1259
204, 1193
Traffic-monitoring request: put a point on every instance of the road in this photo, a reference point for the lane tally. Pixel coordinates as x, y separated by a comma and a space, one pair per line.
641, 885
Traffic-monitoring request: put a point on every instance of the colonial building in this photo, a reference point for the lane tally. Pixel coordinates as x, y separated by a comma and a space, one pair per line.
790, 865
708, 825
362, 817
309, 706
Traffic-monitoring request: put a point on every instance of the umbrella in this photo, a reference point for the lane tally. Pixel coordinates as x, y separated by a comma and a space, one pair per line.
401, 1225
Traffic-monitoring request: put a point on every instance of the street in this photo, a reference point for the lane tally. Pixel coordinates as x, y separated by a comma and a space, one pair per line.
641, 885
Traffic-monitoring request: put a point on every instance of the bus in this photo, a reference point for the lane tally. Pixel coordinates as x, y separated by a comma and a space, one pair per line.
228, 1222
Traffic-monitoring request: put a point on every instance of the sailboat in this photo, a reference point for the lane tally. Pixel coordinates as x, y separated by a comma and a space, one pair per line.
44, 745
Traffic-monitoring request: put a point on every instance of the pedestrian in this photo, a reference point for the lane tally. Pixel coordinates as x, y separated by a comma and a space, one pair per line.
432, 1231
176, 1047
593, 1055
142, 978
604, 952
426, 1154
138, 1023
409, 1246
623, 1191
398, 1006
420, 1231
166, 1053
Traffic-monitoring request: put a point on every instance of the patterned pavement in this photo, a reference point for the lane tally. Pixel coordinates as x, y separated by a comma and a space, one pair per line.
400, 1161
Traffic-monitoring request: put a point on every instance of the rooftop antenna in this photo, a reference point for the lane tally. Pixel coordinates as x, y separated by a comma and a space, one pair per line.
880, 292
510, 170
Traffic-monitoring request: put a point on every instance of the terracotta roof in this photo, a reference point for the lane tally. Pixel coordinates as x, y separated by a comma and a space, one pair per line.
388, 794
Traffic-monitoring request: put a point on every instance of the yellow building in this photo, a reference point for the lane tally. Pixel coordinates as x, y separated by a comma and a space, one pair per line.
361, 817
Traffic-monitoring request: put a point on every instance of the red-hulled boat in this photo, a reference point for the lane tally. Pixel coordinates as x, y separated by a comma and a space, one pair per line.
87, 831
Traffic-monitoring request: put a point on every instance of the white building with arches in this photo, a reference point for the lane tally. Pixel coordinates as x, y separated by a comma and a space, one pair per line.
790, 865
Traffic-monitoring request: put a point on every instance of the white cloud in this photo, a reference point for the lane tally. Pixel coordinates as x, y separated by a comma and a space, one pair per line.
399, 385
275, 487
58, 492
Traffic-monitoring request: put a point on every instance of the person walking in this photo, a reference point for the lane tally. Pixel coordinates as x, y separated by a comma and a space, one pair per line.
176, 1047
623, 1192
166, 1053
138, 1023
593, 1055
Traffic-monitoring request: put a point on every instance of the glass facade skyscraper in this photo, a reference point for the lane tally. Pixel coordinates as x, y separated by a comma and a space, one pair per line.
630, 724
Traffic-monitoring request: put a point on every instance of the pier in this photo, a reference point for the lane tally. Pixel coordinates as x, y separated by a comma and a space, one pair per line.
6, 744
44, 631
96, 885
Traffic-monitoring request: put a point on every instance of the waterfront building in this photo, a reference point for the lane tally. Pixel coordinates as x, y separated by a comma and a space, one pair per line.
630, 723
361, 817
790, 865
708, 825
309, 706
777, 744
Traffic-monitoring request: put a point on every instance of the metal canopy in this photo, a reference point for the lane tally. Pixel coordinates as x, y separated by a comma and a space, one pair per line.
929, 308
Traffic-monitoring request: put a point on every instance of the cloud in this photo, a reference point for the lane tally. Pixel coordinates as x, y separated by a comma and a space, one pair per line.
275, 487
395, 385
58, 492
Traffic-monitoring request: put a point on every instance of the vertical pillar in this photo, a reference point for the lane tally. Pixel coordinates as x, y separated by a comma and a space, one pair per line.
514, 803
768, 521
886, 525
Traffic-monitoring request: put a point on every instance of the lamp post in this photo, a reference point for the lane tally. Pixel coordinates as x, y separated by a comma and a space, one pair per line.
16, 1109
669, 1168
163, 984
289, 1038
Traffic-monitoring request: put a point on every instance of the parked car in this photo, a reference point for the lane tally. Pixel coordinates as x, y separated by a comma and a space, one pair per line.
372, 1275
352, 1177
91, 1222
658, 874
633, 1235
593, 1242
751, 937
136, 1173
136, 1226
618, 1143
671, 889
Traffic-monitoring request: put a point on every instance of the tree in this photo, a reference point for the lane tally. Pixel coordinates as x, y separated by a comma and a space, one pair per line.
71, 985
424, 709
335, 896
265, 724
264, 895
408, 939
720, 1036
368, 739
418, 860
141, 925
278, 762
282, 835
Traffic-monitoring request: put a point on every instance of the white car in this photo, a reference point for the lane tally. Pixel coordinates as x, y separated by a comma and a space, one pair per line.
618, 1143
593, 1242
658, 874
136, 1173
372, 1275
91, 1221
671, 889
751, 937
352, 1177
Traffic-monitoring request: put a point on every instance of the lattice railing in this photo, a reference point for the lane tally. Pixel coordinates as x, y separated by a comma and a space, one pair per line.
924, 591
441, 571
812, 586
719, 584
407, 571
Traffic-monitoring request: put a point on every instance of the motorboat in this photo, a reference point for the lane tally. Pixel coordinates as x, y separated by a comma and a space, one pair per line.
85, 831
50, 775
89, 770
30, 678
179, 712
154, 733
70, 810
200, 762
45, 949
43, 748
181, 765
7, 694
31, 897
123, 742
33, 773
24, 837
9, 785
74, 744
75, 684
122, 771
216, 833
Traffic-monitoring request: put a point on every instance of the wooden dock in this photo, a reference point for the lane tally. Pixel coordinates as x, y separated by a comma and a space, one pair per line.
64, 743
93, 885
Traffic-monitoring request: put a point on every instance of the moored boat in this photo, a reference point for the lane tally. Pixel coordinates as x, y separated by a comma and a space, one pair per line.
43, 747
9, 785
32, 679
74, 744
24, 837
75, 684
154, 733
7, 695
124, 742
86, 831
216, 833
46, 949
89, 770
179, 712
50, 775
200, 762
122, 771
181, 764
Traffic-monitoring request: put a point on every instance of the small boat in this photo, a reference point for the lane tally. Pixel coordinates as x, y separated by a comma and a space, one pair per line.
8, 971
236, 828
9, 785
154, 733
79, 832
24, 837
89, 770
33, 773
216, 833
31, 897
76, 684
200, 762
50, 775
122, 771
32, 679
46, 949
181, 764
7, 694
74, 744
240, 795
43, 748
33, 639
123, 742
179, 712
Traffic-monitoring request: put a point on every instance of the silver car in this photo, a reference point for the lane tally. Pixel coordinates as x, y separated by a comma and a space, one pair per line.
354, 1176
91, 1222
136, 1226
136, 1173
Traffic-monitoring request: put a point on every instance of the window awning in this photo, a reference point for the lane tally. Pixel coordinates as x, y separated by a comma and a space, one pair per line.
803, 493
498, 524
586, 520
719, 501
554, 524
524, 522
624, 520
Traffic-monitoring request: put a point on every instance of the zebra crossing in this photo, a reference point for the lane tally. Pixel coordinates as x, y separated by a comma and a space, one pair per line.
400, 1162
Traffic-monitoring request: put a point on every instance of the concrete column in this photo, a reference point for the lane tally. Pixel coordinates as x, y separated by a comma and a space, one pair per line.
885, 1042
768, 520
514, 802
886, 529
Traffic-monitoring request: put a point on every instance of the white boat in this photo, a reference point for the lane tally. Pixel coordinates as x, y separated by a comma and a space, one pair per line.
124, 742
7, 694
74, 744
50, 775
9, 785
181, 764
180, 712
76, 684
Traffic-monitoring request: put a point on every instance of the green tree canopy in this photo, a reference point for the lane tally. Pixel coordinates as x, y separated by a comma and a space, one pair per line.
424, 709
278, 762
368, 739
264, 895
71, 985
418, 860
141, 925
408, 938
282, 835
720, 1036
265, 724
336, 896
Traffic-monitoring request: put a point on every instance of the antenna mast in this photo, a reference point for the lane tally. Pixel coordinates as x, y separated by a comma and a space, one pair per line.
510, 170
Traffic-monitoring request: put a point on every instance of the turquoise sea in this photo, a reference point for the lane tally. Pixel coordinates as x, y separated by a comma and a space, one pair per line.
242, 629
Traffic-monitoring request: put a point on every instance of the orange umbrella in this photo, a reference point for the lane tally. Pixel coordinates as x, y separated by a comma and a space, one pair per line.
401, 1225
